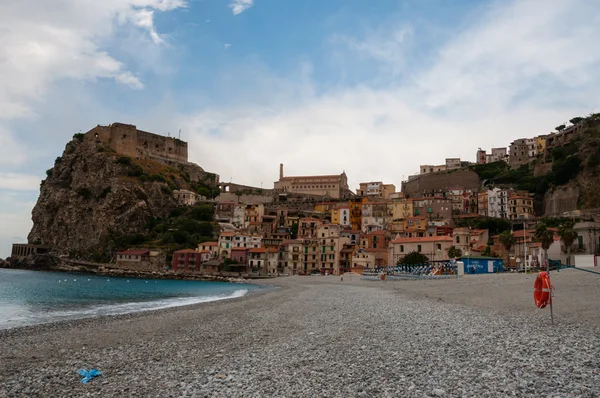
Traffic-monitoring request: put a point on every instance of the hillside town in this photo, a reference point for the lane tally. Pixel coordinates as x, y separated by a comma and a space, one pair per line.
319, 225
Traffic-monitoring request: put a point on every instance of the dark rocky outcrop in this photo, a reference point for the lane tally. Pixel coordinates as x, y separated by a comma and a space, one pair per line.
93, 193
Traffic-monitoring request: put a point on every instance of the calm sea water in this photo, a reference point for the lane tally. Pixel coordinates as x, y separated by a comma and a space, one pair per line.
32, 297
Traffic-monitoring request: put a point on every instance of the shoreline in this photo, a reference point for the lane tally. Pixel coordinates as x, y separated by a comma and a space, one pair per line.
318, 336
264, 288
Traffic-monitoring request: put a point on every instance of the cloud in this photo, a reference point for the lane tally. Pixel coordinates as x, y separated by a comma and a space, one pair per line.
239, 6
227, 45
17, 181
44, 42
15, 218
513, 73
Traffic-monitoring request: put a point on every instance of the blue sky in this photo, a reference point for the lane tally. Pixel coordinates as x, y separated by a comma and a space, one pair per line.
374, 88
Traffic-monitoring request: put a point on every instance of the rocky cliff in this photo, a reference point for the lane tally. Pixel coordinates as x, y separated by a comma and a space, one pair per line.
92, 194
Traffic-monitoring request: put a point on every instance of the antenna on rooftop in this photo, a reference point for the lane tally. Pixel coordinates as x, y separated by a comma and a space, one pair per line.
179, 133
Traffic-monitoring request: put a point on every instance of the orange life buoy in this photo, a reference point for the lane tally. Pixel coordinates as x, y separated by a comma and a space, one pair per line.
542, 290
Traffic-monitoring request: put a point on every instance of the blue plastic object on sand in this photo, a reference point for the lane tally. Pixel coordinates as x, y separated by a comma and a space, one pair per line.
88, 374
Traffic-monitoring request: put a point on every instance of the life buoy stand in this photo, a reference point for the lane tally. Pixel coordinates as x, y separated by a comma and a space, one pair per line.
542, 290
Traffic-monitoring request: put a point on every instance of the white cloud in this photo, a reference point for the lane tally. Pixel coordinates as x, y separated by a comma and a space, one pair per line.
43, 42
15, 218
516, 73
239, 6
20, 182
227, 45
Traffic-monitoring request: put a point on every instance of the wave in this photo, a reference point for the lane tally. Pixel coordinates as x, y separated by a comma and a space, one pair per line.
115, 309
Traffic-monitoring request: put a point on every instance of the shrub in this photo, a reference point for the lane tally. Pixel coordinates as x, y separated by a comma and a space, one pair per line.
100, 149
124, 160
414, 258
49, 172
84, 192
58, 160
136, 171
105, 192
157, 178
78, 137
202, 213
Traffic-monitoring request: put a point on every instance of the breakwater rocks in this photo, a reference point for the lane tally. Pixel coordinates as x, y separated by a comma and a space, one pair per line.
48, 262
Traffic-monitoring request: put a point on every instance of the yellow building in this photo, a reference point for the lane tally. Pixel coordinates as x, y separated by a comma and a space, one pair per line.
376, 190
520, 207
540, 144
402, 209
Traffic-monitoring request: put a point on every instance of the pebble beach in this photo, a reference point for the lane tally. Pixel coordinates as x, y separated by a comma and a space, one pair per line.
316, 336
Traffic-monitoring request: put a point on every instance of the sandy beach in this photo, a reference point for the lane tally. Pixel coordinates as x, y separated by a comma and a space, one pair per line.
314, 336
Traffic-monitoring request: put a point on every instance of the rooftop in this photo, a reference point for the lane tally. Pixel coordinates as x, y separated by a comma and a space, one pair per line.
423, 239
135, 252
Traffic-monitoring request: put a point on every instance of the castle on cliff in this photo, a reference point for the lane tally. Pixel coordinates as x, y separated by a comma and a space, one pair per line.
126, 139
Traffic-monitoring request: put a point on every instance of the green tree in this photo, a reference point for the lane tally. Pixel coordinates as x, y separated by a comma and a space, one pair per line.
576, 120
488, 251
414, 258
507, 239
546, 238
561, 127
567, 235
454, 252
202, 213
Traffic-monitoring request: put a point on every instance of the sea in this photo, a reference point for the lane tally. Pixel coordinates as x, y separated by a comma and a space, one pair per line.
36, 297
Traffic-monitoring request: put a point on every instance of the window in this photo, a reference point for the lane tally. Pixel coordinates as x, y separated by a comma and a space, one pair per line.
458, 239
419, 248
401, 248
438, 246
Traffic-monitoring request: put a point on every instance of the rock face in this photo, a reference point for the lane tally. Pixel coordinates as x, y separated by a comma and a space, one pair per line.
93, 192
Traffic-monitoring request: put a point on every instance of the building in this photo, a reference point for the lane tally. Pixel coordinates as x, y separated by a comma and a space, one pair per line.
187, 260
374, 215
540, 144
402, 209
331, 242
334, 186
20, 250
531, 147
588, 237
461, 239
140, 260
481, 156
224, 212
498, 203
482, 203
187, 198
499, 154
427, 168
415, 226
307, 227
453, 163
519, 153
263, 260
437, 207
126, 139
363, 259
240, 255
520, 207
341, 216
290, 253
376, 190
434, 247
210, 247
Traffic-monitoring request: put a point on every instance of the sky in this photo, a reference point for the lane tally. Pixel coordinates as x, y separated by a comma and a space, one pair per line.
372, 88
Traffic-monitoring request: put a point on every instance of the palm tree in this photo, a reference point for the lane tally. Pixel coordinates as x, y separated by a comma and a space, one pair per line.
546, 238
567, 235
508, 240
454, 252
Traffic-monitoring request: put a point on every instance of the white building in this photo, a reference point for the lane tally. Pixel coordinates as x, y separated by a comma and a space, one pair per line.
187, 198
531, 147
498, 203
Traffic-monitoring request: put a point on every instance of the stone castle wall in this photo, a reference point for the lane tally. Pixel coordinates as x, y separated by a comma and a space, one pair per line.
126, 139
427, 183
